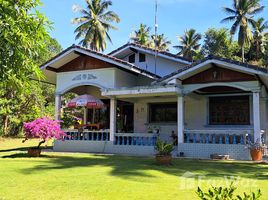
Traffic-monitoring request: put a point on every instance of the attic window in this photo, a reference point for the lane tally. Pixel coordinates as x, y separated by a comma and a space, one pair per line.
142, 57
131, 58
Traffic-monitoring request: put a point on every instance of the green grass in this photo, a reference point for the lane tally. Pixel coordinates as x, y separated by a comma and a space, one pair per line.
88, 176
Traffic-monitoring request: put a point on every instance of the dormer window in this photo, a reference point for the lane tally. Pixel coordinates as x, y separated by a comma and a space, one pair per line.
131, 58
142, 57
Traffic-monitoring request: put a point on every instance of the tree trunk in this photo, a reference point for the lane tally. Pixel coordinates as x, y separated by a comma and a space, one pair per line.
5, 128
243, 52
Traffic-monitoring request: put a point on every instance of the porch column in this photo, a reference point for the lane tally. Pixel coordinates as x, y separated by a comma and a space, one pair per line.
180, 120
256, 116
85, 116
57, 106
112, 118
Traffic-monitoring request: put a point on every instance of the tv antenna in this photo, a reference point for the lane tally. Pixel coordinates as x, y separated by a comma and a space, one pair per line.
155, 36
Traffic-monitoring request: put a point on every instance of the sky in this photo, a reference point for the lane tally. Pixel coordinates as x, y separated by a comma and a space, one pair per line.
174, 17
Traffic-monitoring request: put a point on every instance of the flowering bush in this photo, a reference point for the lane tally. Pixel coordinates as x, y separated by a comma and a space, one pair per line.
44, 129
256, 145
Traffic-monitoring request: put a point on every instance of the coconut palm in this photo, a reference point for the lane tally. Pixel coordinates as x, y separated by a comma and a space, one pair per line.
189, 43
162, 43
94, 24
242, 14
259, 36
142, 35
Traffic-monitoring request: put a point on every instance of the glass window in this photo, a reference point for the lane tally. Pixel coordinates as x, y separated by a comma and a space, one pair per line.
229, 110
164, 112
131, 58
142, 57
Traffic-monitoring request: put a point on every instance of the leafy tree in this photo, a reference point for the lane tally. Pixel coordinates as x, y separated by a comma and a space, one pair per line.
189, 44
94, 24
24, 44
242, 14
259, 39
142, 35
162, 43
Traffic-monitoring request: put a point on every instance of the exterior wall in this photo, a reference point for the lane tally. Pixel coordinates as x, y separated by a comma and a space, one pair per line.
102, 147
164, 66
236, 151
102, 78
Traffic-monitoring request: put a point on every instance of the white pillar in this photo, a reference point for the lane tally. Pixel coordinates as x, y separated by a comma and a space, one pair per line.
256, 116
57, 107
112, 118
180, 120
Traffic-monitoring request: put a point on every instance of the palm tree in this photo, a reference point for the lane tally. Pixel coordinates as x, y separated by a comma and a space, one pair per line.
259, 36
189, 44
162, 43
142, 35
94, 24
242, 14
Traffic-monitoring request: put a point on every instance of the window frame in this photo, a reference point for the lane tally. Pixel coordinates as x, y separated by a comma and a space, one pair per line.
142, 55
132, 56
246, 123
163, 106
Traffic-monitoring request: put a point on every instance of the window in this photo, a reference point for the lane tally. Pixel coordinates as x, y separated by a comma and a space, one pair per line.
164, 112
131, 58
229, 110
142, 57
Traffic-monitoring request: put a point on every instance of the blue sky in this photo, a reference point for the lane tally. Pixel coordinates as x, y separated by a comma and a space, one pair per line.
174, 17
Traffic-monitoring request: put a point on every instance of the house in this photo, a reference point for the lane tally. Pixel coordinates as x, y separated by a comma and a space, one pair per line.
211, 106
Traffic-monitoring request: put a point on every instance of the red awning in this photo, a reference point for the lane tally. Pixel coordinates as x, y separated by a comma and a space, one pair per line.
86, 101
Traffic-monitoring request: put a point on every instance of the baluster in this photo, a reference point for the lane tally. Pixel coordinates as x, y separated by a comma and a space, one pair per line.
220, 140
207, 138
201, 140
213, 139
194, 138
188, 138
125, 140
242, 139
227, 139
134, 140
142, 141
234, 139
139, 141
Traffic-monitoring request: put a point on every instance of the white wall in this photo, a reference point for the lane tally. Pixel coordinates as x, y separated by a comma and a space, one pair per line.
164, 66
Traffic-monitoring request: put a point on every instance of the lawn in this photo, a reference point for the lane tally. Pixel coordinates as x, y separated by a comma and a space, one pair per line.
88, 176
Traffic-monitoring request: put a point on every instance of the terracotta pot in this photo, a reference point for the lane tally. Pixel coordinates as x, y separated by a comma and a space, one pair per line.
163, 159
256, 155
33, 152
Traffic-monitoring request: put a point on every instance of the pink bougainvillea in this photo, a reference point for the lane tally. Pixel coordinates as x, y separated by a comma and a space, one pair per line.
44, 129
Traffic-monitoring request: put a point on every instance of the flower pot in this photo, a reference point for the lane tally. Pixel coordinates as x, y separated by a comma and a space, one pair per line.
163, 159
34, 152
256, 154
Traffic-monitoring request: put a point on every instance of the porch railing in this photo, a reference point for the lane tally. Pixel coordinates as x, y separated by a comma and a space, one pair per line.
218, 136
88, 135
135, 139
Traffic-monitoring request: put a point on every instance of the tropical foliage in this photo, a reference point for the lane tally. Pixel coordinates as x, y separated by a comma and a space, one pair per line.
189, 44
142, 35
163, 148
24, 44
161, 42
242, 14
94, 24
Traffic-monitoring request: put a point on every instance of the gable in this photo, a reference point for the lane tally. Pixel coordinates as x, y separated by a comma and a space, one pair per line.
84, 63
218, 74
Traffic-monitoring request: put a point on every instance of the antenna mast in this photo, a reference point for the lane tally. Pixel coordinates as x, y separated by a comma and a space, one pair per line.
155, 36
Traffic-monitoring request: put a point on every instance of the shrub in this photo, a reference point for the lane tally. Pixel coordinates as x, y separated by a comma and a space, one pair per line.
220, 193
43, 129
163, 148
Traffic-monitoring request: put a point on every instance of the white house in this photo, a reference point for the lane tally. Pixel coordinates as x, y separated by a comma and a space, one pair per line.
212, 106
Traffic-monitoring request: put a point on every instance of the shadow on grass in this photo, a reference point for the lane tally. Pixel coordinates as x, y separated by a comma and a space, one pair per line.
131, 167
24, 148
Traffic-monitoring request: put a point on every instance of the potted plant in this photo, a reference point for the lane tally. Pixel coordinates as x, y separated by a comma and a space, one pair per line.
256, 150
43, 129
164, 150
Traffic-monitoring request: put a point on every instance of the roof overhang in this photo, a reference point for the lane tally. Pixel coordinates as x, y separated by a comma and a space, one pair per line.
137, 92
129, 48
50, 67
208, 62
